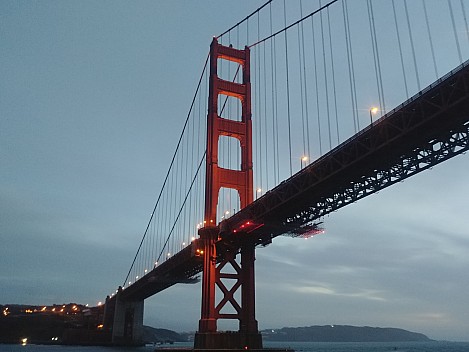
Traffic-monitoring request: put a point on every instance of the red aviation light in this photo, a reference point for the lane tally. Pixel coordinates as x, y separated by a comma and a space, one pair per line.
248, 227
312, 233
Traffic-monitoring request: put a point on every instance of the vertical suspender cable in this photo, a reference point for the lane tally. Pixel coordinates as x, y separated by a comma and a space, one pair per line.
326, 86
188, 229
400, 49
181, 186
204, 133
288, 88
153, 245
201, 117
318, 113
220, 141
286, 56
168, 172
308, 148
463, 8
177, 216
145, 259
259, 107
430, 38
273, 64
238, 110
374, 44
247, 31
333, 77
177, 193
173, 202
163, 221
196, 207
227, 139
300, 65
383, 111
411, 38
348, 39
354, 82
264, 65
170, 204
454, 31
186, 179
302, 79
255, 122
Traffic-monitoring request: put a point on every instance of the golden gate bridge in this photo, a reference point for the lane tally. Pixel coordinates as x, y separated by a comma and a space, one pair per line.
301, 109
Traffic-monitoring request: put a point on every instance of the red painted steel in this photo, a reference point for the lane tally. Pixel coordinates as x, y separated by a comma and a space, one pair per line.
240, 180
217, 177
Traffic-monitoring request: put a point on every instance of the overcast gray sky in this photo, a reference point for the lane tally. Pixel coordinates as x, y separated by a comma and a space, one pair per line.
93, 96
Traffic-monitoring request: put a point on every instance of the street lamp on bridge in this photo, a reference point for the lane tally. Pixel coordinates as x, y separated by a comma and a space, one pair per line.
304, 159
258, 192
373, 111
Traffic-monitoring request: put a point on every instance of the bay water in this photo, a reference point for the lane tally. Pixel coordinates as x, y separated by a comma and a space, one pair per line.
433, 346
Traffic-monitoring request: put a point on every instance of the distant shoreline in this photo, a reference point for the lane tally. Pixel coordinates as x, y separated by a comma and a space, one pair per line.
342, 333
79, 325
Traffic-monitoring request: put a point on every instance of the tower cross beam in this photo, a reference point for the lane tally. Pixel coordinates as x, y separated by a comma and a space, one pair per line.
241, 180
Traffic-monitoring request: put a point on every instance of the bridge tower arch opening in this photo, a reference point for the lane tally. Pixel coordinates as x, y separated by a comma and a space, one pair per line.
218, 268
228, 203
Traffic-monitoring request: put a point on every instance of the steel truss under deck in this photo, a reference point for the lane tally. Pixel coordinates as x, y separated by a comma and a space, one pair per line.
419, 160
427, 129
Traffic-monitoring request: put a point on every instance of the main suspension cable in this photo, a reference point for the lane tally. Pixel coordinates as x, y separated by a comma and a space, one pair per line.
169, 169
182, 206
245, 19
293, 24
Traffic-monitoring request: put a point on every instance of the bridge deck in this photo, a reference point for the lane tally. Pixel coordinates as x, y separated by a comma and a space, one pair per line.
427, 129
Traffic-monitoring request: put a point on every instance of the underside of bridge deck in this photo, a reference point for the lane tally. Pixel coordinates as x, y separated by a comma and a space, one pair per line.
426, 130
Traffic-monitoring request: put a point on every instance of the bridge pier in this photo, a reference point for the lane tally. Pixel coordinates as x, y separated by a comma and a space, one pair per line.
127, 325
248, 336
228, 340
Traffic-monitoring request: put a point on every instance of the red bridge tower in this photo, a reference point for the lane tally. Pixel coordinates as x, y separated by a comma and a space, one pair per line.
241, 180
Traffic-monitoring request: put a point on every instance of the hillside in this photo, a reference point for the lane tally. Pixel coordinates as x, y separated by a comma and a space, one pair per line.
64, 324
160, 335
342, 333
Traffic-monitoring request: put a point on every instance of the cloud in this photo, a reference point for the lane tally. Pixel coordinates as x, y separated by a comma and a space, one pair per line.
323, 289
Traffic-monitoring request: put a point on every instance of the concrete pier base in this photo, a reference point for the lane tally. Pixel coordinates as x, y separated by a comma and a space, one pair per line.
128, 323
224, 350
235, 340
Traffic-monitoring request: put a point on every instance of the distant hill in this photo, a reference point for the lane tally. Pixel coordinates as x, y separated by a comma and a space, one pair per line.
342, 333
160, 335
